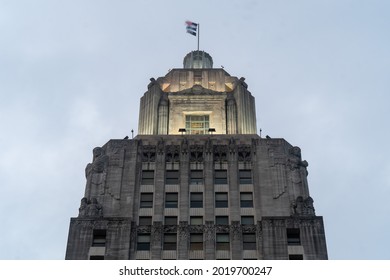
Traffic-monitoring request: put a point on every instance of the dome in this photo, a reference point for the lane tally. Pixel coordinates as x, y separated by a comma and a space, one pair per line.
198, 59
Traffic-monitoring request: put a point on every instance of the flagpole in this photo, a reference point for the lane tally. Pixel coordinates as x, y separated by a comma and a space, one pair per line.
198, 36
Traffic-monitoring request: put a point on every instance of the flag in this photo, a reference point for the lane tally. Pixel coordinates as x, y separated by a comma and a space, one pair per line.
191, 27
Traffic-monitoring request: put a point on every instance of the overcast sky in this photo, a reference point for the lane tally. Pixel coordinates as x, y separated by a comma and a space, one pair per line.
72, 74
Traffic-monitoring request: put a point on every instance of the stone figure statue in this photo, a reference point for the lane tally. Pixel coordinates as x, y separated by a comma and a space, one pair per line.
298, 170
95, 173
302, 207
90, 208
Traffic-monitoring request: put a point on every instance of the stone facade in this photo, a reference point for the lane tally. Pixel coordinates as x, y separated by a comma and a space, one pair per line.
228, 195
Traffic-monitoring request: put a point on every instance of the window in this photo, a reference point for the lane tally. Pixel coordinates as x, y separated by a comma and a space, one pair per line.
220, 177
221, 200
170, 220
145, 221
147, 177
223, 242
245, 176
96, 257
171, 200
196, 124
146, 200
196, 220
295, 257
170, 241
196, 241
293, 236
172, 177
99, 238
196, 177
143, 242
249, 241
196, 200
222, 220
247, 220
246, 200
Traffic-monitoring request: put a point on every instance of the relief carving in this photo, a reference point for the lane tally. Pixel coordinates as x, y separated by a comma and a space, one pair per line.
196, 153
184, 146
157, 230
172, 153
235, 230
90, 208
160, 146
95, 172
244, 153
232, 146
209, 231
183, 231
303, 207
148, 153
220, 153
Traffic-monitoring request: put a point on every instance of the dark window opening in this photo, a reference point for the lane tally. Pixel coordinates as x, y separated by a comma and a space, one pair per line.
143, 242
293, 236
220, 177
246, 200
222, 220
196, 220
146, 200
249, 241
145, 221
96, 257
196, 177
99, 238
171, 200
221, 200
245, 176
247, 220
295, 257
172, 177
196, 241
170, 220
170, 240
147, 177
196, 200
223, 241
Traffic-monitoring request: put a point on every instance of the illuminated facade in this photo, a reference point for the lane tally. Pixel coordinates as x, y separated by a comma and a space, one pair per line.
197, 182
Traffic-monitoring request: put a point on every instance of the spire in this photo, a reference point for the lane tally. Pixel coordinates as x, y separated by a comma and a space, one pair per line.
198, 59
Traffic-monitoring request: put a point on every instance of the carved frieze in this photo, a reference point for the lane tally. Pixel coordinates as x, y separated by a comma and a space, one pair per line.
144, 229
209, 231
157, 230
220, 153
222, 228
248, 228
235, 230
196, 228
259, 229
148, 153
244, 153
170, 228
172, 153
183, 230
196, 153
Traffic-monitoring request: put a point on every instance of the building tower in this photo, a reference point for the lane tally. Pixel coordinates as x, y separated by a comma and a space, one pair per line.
197, 182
